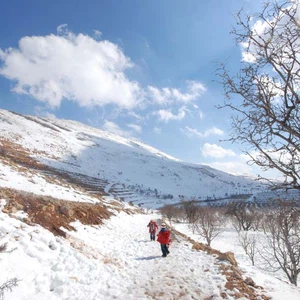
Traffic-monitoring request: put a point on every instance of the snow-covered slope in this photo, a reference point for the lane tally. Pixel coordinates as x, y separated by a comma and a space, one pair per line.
117, 261
80, 243
126, 169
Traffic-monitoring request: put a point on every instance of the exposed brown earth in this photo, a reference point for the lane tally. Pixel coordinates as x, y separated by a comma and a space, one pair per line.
54, 215
51, 213
17, 156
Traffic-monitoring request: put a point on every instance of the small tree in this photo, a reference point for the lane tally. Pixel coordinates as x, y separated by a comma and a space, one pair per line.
241, 215
190, 209
168, 211
179, 215
258, 216
209, 223
249, 244
283, 238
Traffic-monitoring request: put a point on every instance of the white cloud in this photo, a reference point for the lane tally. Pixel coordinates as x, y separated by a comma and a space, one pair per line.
213, 131
41, 112
213, 150
97, 33
77, 67
135, 127
201, 114
271, 28
194, 132
249, 53
239, 166
87, 71
166, 115
147, 45
2, 54
135, 115
160, 96
248, 57
157, 130
233, 167
62, 29
114, 128
167, 95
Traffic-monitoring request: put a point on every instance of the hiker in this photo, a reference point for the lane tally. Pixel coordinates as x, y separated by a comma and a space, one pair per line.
164, 238
152, 229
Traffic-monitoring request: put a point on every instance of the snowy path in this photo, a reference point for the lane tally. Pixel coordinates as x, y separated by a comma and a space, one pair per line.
141, 272
114, 261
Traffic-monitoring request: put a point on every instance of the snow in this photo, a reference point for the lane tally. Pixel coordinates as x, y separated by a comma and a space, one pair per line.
75, 147
276, 284
35, 183
115, 261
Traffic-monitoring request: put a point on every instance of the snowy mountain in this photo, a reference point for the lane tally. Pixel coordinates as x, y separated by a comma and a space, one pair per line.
112, 165
64, 235
106, 164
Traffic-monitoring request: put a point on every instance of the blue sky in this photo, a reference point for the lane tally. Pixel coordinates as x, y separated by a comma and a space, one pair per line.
142, 69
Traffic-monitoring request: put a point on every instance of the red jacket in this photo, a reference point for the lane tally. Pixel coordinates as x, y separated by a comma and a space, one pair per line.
163, 237
152, 226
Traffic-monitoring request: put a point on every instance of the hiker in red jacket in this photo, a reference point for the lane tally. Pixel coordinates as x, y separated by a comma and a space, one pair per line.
152, 229
164, 238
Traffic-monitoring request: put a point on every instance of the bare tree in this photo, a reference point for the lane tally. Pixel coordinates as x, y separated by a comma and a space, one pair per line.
209, 223
168, 211
243, 218
190, 208
257, 218
249, 244
267, 116
179, 215
283, 238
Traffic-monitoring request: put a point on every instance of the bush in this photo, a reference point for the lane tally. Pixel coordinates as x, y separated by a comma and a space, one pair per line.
8, 286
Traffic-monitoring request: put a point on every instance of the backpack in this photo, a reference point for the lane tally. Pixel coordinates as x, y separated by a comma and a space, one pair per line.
152, 227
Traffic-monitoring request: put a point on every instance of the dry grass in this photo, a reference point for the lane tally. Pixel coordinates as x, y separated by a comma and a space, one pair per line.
19, 158
53, 214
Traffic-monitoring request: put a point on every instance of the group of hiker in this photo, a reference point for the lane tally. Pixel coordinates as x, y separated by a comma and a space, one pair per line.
163, 236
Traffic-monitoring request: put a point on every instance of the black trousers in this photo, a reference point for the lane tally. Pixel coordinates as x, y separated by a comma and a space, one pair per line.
164, 249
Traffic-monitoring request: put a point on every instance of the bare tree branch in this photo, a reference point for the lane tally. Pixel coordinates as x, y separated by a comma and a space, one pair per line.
282, 229
267, 117
8, 286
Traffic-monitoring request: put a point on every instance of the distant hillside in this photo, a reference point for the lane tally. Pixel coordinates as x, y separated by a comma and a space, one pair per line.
69, 153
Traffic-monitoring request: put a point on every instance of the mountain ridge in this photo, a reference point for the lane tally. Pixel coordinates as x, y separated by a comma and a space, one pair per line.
133, 171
